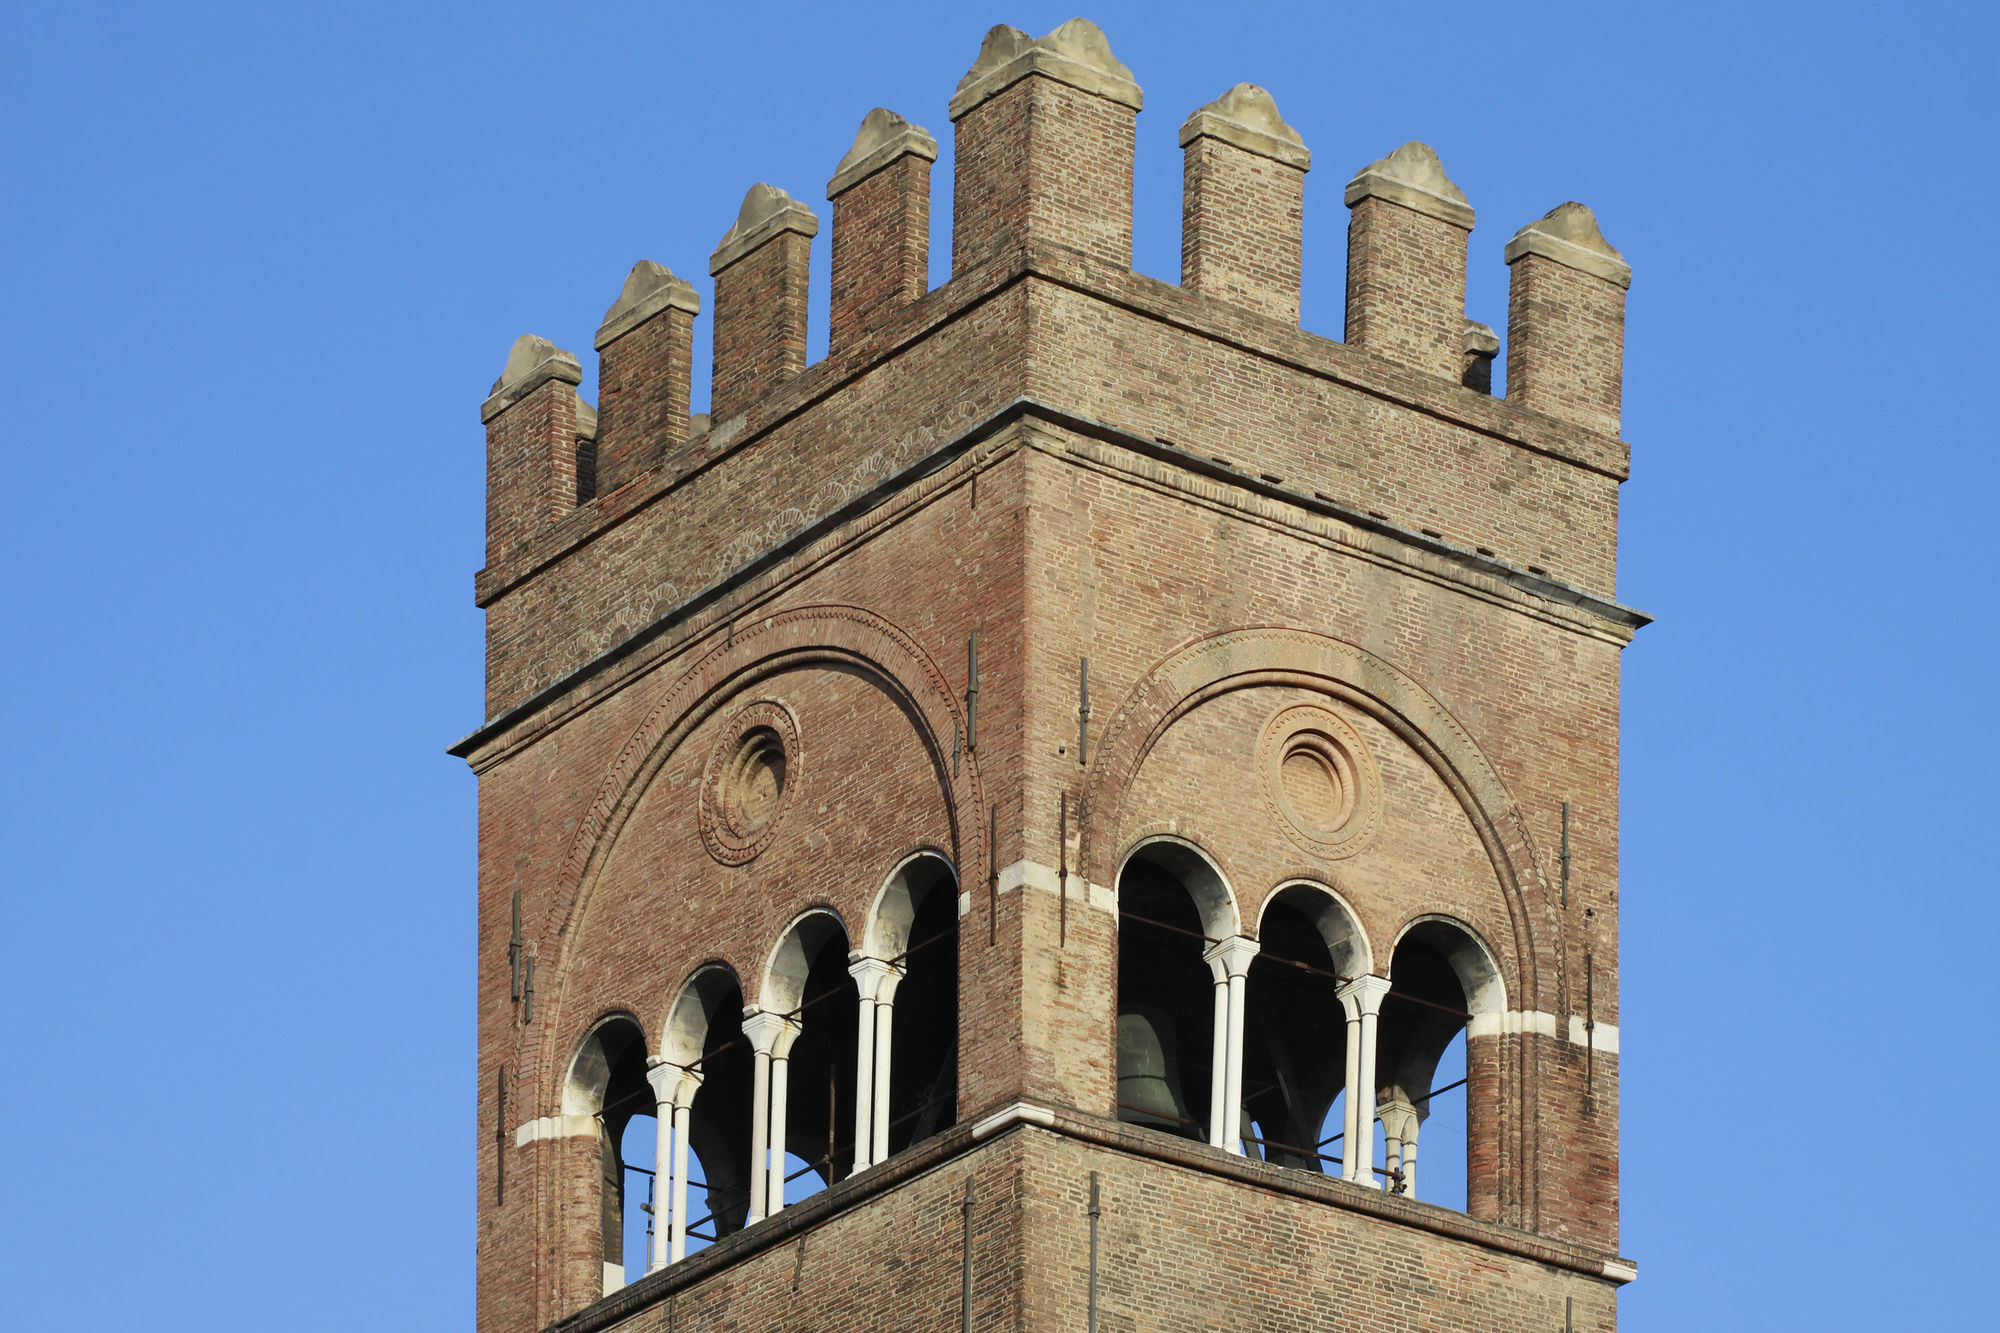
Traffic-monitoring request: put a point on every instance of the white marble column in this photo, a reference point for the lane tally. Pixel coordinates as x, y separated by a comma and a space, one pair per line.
761, 1031
674, 1087
867, 974
885, 1031
664, 1077
1362, 999
781, 1070
1218, 1052
1234, 955
1400, 1119
683, 1115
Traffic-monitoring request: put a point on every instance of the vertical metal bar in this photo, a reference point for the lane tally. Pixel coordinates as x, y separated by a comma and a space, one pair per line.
1565, 854
500, 1136
652, 1205
993, 874
972, 691
1062, 870
514, 952
965, 1287
1569, 1314
528, 994
957, 739
832, 1115
1096, 1211
1083, 712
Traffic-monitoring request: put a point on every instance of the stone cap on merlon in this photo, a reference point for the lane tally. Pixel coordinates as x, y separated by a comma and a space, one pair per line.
1568, 234
1246, 117
1077, 54
531, 363
649, 289
767, 213
884, 137
1413, 177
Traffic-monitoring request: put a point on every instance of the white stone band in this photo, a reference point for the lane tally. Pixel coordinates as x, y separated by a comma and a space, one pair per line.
556, 1127
1602, 1036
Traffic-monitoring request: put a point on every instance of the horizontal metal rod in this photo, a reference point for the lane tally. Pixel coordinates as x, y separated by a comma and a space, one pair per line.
1124, 915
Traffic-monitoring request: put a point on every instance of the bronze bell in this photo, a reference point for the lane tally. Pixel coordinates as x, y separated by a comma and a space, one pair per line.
1149, 1081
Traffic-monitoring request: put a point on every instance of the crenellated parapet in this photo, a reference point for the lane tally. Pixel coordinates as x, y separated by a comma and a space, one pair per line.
1243, 203
1566, 319
760, 270
646, 351
532, 416
1406, 240
881, 197
1044, 131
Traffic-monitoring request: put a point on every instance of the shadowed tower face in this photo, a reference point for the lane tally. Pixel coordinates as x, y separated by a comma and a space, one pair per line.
1090, 802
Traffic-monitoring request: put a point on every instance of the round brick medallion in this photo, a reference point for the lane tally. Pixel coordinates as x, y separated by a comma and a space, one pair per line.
749, 782
1320, 780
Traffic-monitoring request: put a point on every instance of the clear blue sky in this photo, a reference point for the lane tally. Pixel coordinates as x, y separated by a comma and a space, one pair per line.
262, 263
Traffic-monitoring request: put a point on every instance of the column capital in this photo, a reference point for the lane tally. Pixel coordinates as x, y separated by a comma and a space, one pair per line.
673, 1085
770, 1033
1231, 957
868, 973
1398, 1105
1363, 995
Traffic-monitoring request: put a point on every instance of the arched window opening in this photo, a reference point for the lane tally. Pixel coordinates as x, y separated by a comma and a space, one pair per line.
607, 1085
1295, 1042
1439, 975
916, 929
1166, 991
812, 1061
703, 1192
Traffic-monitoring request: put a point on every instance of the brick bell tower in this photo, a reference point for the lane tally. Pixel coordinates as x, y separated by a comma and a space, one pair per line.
1030, 821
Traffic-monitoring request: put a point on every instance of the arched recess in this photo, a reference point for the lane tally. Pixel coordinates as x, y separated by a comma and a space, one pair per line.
1283, 656
807, 980
1174, 905
1295, 1029
913, 927
606, 1084
847, 638
704, 1034
1441, 975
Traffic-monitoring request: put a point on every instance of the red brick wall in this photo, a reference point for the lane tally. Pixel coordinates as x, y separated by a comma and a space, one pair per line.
1242, 217
760, 322
1406, 286
1565, 343
642, 405
881, 247
1043, 162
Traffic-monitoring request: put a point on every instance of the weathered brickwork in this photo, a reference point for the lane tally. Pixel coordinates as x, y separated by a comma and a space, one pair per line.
1169, 503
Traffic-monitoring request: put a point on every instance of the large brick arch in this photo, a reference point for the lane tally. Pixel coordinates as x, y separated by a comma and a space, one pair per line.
848, 637
1280, 655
